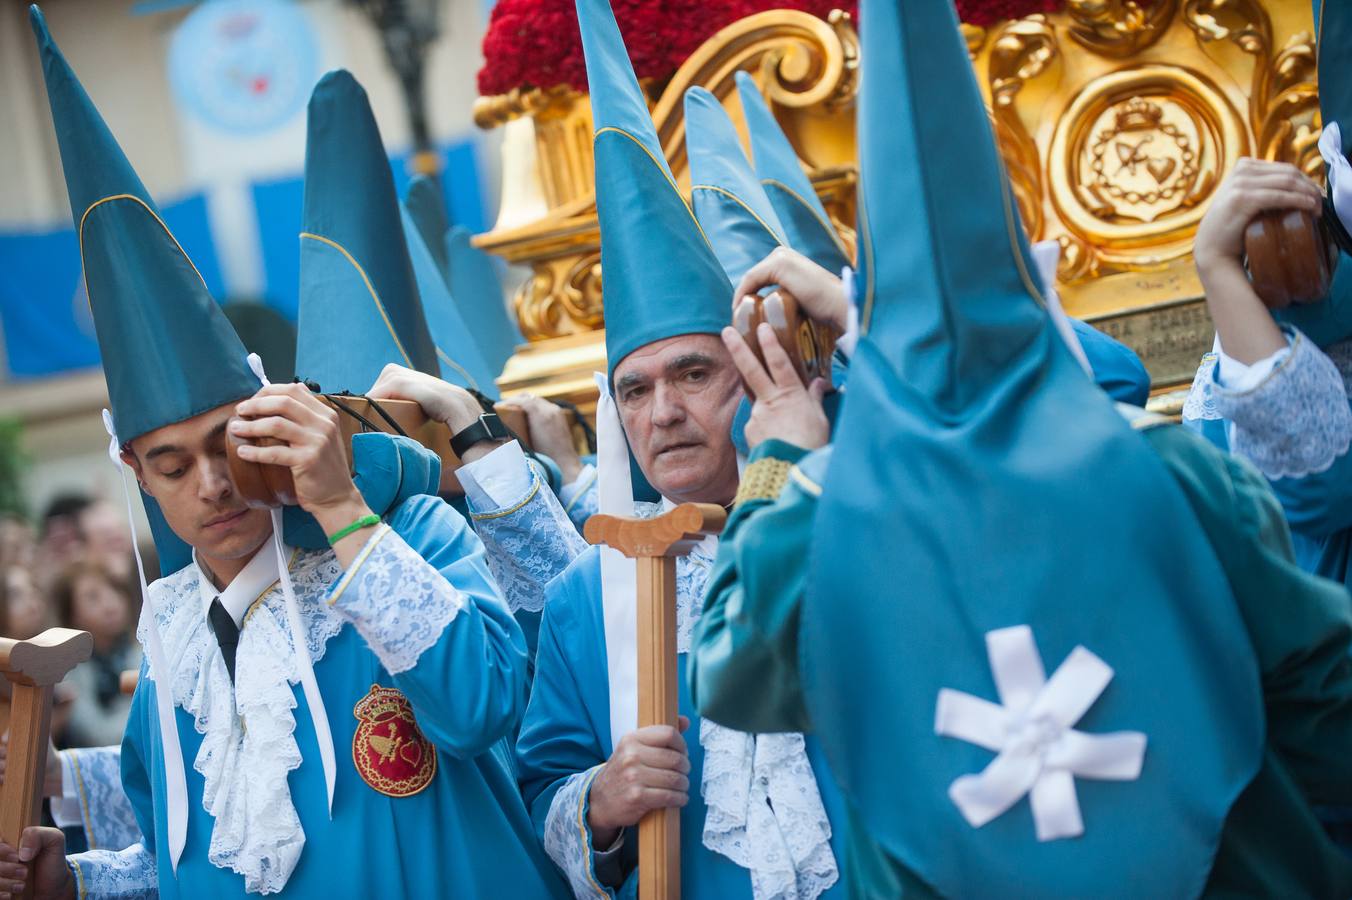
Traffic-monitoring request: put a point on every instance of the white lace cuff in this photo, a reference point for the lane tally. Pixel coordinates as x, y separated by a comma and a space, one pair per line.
568, 840
398, 602
527, 541
92, 798
494, 481
1296, 421
115, 874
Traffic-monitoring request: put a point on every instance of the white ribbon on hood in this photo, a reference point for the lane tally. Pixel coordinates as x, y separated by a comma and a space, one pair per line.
1046, 255
619, 574
175, 781
1339, 171
313, 699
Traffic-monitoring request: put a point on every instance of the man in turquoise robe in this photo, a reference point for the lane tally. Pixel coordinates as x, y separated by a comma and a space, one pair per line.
1215, 795
757, 819
395, 626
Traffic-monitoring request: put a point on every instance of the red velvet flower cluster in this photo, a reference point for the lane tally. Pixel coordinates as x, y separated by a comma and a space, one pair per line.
535, 43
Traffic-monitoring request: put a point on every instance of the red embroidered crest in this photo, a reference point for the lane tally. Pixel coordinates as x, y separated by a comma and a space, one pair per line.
389, 750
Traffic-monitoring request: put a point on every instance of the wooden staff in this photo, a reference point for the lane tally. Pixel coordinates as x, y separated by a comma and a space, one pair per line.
32, 668
655, 544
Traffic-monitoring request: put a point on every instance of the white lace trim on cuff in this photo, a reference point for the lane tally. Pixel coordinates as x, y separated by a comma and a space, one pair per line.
1297, 421
568, 838
398, 602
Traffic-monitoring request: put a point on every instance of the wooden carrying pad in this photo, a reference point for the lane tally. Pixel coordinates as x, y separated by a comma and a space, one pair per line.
1291, 257
271, 486
655, 544
809, 344
32, 668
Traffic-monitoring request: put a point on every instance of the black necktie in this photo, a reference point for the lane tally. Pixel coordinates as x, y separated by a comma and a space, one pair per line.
227, 634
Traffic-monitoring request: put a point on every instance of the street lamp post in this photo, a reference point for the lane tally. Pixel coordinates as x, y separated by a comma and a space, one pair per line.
407, 29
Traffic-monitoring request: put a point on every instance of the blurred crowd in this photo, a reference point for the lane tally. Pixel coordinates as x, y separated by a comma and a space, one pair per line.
74, 568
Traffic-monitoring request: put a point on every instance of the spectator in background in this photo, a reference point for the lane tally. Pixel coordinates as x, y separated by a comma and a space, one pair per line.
22, 607
60, 542
18, 544
107, 539
89, 597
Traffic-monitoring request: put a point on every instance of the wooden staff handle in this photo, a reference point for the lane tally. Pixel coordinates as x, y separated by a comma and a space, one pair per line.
32, 668
655, 544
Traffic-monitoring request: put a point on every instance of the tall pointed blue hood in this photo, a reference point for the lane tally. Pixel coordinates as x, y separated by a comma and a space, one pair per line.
660, 274
168, 351
728, 199
1000, 493
359, 304
807, 228
458, 353
426, 208
476, 289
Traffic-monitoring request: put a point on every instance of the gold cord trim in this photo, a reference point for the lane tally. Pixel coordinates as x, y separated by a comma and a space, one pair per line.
713, 188
154, 215
370, 288
661, 167
763, 480
812, 210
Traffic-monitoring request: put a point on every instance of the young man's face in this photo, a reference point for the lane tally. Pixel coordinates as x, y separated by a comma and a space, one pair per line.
183, 467
677, 399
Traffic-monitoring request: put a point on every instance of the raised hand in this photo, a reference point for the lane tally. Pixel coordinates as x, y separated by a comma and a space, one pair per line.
784, 408
550, 433
440, 400
819, 293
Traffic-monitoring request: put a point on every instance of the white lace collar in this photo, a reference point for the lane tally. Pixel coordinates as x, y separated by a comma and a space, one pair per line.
253, 581
248, 745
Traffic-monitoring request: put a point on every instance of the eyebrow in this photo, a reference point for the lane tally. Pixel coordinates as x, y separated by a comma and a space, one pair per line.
162, 449
689, 361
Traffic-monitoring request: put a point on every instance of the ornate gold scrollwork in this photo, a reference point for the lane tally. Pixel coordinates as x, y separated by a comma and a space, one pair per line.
562, 296
1119, 28
1022, 50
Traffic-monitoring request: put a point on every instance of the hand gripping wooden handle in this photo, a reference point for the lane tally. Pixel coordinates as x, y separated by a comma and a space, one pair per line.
655, 544
809, 344
1290, 256
32, 668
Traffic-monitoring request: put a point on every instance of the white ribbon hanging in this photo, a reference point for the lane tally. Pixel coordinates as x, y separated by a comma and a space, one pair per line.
1339, 172
175, 779
1039, 754
1046, 256
313, 699
619, 574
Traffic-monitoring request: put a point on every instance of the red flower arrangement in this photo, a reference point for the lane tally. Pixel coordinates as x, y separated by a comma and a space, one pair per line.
535, 43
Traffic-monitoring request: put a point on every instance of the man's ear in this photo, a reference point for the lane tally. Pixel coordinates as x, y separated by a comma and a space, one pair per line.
130, 460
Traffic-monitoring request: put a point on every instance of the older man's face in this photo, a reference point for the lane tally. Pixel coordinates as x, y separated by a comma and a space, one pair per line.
677, 399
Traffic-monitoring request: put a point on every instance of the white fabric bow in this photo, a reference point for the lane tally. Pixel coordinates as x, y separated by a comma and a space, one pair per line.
1039, 754
175, 780
1339, 172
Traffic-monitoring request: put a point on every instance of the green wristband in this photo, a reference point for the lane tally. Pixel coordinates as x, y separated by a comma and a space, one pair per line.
363, 522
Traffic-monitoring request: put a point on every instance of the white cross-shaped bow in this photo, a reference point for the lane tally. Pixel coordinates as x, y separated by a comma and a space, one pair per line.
1038, 753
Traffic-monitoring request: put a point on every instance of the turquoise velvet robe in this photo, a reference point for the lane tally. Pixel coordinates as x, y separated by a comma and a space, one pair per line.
567, 731
745, 671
